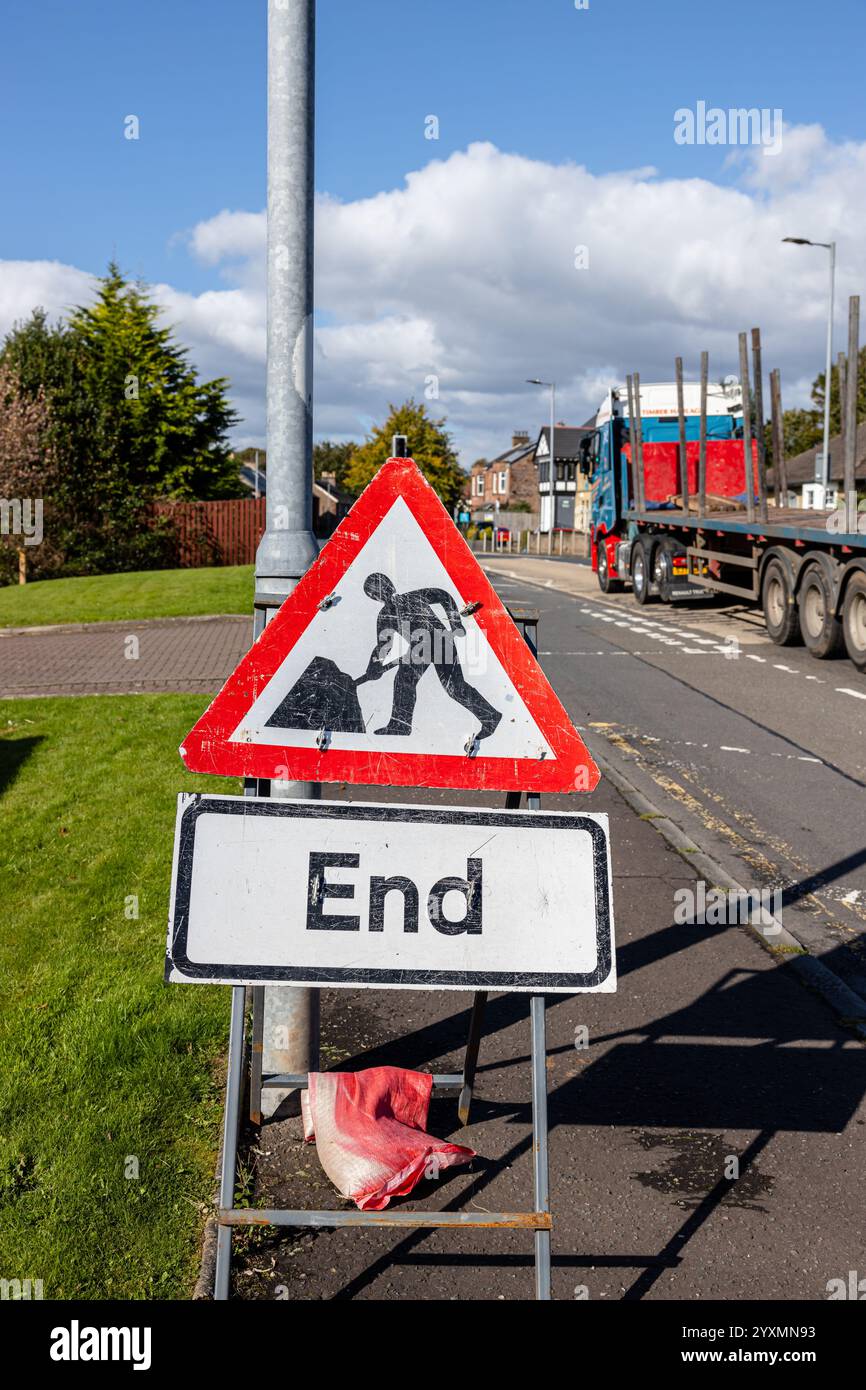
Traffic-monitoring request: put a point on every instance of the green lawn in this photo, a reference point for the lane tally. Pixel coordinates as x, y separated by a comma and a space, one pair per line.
102, 1065
145, 594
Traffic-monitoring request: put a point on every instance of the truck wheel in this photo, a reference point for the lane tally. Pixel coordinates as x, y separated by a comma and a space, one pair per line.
780, 610
854, 619
821, 629
663, 568
641, 570
605, 583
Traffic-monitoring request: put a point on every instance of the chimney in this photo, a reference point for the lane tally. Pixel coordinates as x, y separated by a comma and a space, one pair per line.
519, 437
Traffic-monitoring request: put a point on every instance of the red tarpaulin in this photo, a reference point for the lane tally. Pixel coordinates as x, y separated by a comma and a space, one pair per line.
368, 1127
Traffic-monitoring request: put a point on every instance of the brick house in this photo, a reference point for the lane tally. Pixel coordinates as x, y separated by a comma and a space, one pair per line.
506, 480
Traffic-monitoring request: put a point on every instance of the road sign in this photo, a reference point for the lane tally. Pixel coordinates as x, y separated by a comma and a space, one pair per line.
402, 897
393, 662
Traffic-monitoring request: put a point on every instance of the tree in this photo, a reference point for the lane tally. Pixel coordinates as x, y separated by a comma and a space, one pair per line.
27, 477
430, 447
333, 458
129, 422
835, 415
162, 431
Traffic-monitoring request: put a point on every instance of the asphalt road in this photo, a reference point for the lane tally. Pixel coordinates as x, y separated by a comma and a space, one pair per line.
756, 751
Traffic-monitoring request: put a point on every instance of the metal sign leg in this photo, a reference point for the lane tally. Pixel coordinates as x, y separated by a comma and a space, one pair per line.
256, 1053
539, 1143
476, 1022
234, 1087
470, 1061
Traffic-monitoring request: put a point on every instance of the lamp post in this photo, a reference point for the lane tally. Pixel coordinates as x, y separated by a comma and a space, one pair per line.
551, 386
290, 1024
831, 247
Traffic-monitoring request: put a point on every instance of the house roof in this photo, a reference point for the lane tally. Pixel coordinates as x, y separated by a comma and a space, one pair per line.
566, 440
513, 455
801, 468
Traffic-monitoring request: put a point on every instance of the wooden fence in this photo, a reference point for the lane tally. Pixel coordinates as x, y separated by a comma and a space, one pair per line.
215, 533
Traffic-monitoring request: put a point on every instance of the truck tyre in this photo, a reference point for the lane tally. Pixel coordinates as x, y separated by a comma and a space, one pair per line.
780, 609
821, 629
641, 572
605, 583
663, 568
854, 619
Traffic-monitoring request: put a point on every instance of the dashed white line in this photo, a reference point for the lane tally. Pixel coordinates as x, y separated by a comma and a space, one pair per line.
845, 690
725, 748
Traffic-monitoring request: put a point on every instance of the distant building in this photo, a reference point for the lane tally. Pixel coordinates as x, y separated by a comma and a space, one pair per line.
804, 487
507, 482
571, 489
330, 505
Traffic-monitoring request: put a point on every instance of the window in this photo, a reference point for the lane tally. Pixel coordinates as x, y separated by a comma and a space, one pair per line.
479, 484
503, 481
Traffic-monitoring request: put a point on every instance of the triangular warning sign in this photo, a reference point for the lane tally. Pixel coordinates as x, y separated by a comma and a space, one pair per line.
393, 662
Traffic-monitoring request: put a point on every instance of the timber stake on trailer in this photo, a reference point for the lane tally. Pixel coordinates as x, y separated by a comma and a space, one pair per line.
780, 470
638, 430
683, 451
759, 423
702, 447
851, 386
841, 366
748, 467
637, 479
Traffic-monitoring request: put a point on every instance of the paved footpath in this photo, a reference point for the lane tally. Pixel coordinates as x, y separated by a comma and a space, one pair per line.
128, 658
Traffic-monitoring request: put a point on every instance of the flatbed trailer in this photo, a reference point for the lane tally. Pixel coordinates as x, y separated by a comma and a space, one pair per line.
809, 579
805, 568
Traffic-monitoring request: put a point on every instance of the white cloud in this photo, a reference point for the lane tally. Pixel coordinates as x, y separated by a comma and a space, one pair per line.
467, 273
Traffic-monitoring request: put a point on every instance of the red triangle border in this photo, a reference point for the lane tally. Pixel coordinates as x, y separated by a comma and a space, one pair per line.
207, 748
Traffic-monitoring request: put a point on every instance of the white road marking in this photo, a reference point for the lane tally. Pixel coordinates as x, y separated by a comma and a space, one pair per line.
751, 657
792, 670
726, 748
845, 690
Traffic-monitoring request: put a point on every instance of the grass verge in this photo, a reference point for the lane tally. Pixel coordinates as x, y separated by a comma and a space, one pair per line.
110, 1094
125, 597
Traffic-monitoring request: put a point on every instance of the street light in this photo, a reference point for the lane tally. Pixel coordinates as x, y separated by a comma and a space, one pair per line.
551, 386
831, 247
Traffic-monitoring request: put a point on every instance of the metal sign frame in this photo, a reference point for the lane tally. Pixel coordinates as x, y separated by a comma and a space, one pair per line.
539, 1220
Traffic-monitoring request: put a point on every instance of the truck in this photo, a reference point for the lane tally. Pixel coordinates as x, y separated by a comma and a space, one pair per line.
675, 535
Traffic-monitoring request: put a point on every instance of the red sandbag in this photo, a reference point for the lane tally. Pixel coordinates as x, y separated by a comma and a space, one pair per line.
368, 1128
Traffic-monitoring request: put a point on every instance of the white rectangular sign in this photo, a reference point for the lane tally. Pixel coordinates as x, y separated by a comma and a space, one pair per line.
395, 897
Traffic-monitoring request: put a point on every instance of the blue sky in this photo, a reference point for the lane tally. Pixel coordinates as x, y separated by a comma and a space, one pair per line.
532, 76
541, 80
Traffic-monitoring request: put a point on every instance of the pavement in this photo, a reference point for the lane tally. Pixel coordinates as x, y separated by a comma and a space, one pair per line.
170, 654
